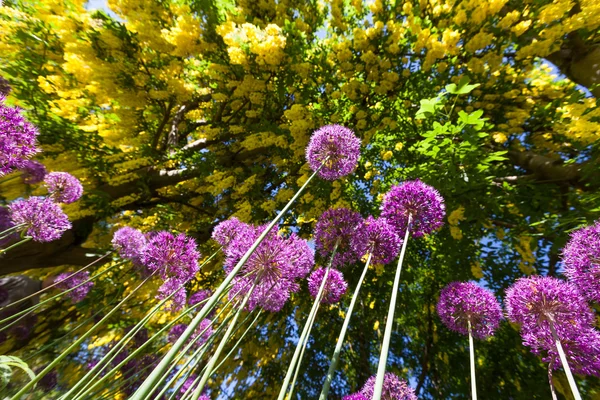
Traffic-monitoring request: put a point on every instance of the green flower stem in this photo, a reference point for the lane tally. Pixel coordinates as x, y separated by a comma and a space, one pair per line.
12, 246
338, 346
142, 347
565, 363
307, 327
75, 344
552, 389
53, 284
158, 372
9, 231
215, 356
104, 361
472, 357
23, 313
390, 319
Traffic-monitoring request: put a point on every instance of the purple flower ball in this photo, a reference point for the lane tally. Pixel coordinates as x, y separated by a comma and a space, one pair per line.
416, 199
227, 231
18, 139
355, 396
32, 172
202, 333
175, 332
172, 256
581, 256
199, 297
583, 352
378, 237
333, 225
5, 88
130, 243
44, 220
170, 286
63, 187
338, 147
335, 287
461, 302
394, 388
65, 282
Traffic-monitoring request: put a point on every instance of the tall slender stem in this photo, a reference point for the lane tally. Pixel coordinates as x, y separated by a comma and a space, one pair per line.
338, 346
390, 319
565, 363
75, 344
552, 390
12, 246
307, 327
158, 372
217, 354
472, 356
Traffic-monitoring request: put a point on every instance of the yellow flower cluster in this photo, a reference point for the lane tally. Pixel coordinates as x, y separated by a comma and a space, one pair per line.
454, 219
267, 45
527, 257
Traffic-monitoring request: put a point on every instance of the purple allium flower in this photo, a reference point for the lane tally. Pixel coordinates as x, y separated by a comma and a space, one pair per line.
581, 256
48, 381
17, 138
4, 88
176, 332
227, 231
204, 330
274, 266
130, 243
43, 219
6, 223
63, 187
189, 382
355, 396
333, 225
335, 287
339, 146
65, 282
394, 388
378, 237
32, 172
465, 301
199, 297
173, 256
177, 301
415, 198
535, 302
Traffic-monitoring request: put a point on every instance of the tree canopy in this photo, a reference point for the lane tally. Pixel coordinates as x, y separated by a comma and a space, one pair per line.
180, 114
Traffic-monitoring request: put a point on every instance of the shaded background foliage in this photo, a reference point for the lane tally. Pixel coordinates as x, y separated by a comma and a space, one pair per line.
180, 114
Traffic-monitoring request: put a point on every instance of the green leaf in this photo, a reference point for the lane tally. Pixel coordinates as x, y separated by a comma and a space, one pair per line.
462, 87
428, 107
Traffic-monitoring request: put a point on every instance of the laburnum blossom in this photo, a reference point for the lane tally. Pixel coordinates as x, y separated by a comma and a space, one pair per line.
394, 388
581, 256
200, 335
63, 187
337, 147
130, 243
418, 201
272, 269
18, 138
377, 237
337, 225
32, 172
65, 281
461, 302
5, 88
539, 304
335, 286
43, 219
227, 231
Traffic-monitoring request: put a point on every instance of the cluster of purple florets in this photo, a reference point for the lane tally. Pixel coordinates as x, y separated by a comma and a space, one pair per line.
273, 269
377, 237
394, 388
335, 150
76, 282
335, 286
63, 187
461, 302
202, 333
32, 172
18, 141
581, 257
338, 226
186, 388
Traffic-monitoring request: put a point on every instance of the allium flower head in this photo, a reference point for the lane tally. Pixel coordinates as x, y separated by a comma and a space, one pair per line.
130, 243
175, 332
172, 286
465, 301
333, 225
583, 352
65, 282
17, 139
173, 256
377, 237
416, 199
227, 231
189, 382
4, 88
334, 289
203, 332
199, 297
355, 396
63, 187
394, 388
336, 144
32, 172
44, 220
581, 256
